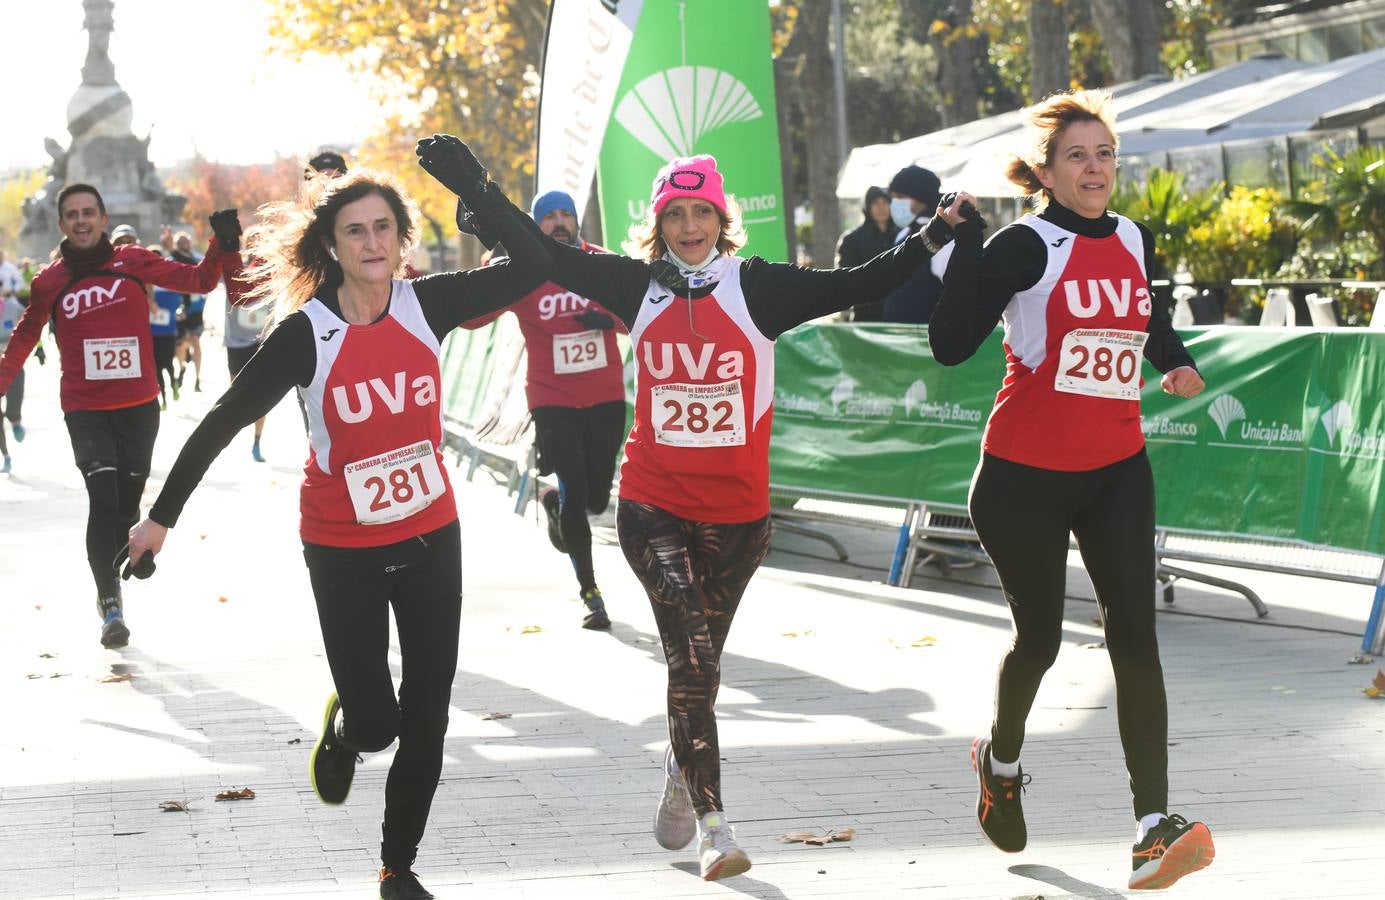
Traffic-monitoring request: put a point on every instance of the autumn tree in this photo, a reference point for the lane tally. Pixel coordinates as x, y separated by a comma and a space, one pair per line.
13, 190
468, 68
210, 186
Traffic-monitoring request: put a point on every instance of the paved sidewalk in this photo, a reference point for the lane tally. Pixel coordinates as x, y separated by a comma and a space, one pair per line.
845, 704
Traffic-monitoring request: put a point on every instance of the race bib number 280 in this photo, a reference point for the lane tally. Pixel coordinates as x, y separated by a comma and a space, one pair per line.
699, 415
1101, 362
109, 359
395, 484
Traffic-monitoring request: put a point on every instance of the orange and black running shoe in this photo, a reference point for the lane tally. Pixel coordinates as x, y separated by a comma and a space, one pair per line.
1173, 848
998, 809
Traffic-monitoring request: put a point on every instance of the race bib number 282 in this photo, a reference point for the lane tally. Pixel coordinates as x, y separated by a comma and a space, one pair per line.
699, 415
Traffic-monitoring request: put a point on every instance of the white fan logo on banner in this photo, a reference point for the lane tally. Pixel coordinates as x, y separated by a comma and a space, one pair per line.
1225, 410
670, 110
1337, 419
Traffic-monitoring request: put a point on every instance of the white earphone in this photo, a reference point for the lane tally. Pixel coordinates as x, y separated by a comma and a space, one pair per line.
332, 252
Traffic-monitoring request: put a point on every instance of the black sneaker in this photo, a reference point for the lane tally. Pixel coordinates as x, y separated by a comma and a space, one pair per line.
998, 809
401, 884
332, 765
596, 618
114, 633
548, 498
1173, 848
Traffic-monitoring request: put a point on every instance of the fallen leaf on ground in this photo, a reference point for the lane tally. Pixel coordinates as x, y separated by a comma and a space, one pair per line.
48, 656
1094, 645
32, 675
175, 805
1377, 688
926, 641
295, 740
60, 675
242, 794
798, 634
492, 716
813, 839
1358, 660
530, 629
222, 600
123, 676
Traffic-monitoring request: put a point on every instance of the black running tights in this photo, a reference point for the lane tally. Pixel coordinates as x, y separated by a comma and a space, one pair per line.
580, 446
421, 578
1023, 516
694, 574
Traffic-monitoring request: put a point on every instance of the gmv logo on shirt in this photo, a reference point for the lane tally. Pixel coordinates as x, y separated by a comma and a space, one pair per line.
424, 388
75, 302
1099, 289
551, 305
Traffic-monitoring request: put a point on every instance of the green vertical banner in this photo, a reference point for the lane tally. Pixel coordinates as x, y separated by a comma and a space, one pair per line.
699, 79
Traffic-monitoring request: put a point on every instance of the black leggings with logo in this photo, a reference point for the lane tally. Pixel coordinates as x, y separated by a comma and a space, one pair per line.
355, 588
1023, 516
694, 574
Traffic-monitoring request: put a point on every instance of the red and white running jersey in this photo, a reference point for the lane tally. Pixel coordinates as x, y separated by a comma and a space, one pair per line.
1073, 353
704, 391
374, 473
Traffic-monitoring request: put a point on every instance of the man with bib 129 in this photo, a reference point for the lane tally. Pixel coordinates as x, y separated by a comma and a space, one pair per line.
95, 296
575, 386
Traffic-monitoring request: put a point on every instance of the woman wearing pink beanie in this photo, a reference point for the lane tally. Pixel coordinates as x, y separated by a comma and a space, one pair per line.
693, 515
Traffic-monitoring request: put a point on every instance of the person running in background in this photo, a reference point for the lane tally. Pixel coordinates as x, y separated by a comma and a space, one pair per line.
244, 325
163, 327
14, 297
191, 323
94, 294
1063, 454
378, 514
693, 515
575, 385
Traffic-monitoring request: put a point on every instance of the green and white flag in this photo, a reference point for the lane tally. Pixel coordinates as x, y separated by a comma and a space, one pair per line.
699, 78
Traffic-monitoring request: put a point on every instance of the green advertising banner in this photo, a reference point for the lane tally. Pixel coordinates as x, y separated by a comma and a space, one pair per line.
698, 79
1287, 442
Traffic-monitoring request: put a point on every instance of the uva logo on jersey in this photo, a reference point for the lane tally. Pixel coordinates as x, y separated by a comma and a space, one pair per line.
1099, 289
551, 305
729, 363
76, 302
423, 390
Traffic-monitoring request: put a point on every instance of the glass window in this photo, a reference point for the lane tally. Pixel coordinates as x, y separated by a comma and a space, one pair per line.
1375, 131
1256, 164
1201, 167
1251, 48
1286, 44
1373, 34
1343, 40
1305, 149
1312, 45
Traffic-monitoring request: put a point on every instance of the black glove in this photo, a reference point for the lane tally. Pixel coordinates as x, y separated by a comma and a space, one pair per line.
468, 223
226, 227
141, 569
593, 318
452, 163
969, 212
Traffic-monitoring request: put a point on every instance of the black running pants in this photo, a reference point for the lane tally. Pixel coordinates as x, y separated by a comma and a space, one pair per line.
113, 449
580, 446
1023, 516
355, 588
694, 574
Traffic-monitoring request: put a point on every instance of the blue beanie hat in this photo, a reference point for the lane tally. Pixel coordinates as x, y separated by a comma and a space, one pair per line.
546, 203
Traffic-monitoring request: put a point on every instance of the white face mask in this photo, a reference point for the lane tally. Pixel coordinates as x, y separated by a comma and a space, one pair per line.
901, 211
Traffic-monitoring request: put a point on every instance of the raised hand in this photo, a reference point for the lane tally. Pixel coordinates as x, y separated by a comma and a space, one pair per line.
449, 160
226, 226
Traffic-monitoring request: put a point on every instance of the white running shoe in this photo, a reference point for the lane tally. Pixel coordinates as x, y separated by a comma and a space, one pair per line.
675, 823
719, 855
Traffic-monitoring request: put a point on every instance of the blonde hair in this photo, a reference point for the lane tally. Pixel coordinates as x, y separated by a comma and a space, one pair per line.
289, 244
1048, 120
646, 240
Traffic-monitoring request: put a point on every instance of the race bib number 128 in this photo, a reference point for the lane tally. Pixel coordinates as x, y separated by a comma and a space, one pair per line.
1101, 362
108, 359
395, 484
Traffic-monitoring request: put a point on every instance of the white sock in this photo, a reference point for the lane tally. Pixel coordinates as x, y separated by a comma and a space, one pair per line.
1143, 826
1004, 769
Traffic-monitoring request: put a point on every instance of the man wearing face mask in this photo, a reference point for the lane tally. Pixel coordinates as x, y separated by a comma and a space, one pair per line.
914, 195
872, 237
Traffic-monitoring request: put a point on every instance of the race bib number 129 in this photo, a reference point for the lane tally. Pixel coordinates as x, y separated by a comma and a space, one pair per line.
580, 351
1101, 362
395, 484
108, 359
699, 415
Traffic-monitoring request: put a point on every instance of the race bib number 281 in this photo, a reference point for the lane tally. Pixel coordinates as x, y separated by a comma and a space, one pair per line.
395, 484
1101, 362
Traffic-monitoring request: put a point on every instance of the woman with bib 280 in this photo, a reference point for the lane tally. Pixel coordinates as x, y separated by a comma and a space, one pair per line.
1063, 454
379, 518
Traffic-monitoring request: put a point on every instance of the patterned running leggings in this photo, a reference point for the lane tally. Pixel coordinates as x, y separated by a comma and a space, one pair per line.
695, 574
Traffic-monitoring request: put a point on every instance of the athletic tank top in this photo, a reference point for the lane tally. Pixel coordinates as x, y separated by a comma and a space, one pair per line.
374, 474
704, 389
1073, 354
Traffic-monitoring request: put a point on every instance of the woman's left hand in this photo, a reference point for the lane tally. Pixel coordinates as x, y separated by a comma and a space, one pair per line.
1183, 382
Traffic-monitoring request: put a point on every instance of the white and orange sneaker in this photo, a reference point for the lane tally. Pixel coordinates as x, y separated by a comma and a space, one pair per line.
1173, 848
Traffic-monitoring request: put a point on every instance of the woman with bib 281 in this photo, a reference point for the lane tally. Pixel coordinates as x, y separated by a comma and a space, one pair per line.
693, 514
379, 519
1063, 453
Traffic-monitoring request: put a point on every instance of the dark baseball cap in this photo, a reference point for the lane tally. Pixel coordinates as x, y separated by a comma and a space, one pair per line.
326, 161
